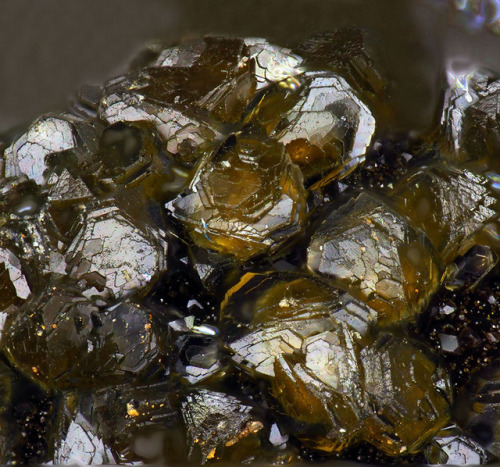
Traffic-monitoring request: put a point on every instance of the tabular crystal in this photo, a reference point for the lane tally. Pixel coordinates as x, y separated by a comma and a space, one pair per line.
374, 252
451, 446
246, 199
48, 137
274, 314
215, 422
470, 117
14, 288
450, 205
112, 254
64, 341
389, 393
317, 116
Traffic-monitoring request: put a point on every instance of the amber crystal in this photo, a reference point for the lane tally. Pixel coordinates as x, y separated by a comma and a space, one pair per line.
227, 254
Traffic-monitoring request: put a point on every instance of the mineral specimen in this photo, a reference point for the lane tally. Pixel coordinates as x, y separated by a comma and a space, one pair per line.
60, 325
470, 117
391, 252
247, 199
217, 423
374, 252
197, 265
324, 126
113, 255
280, 312
389, 393
452, 447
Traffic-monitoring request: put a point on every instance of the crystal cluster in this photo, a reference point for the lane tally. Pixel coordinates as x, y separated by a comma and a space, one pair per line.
216, 257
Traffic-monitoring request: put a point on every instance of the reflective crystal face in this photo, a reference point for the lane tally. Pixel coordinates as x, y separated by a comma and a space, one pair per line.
113, 256
449, 205
451, 446
196, 265
375, 253
82, 446
59, 326
274, 314
48, 141
245, 200
194, 89
324, 126
14, 288
216, 422
389, 393
121, 415
470, 117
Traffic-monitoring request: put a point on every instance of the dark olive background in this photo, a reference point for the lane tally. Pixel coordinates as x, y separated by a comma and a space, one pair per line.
48, 48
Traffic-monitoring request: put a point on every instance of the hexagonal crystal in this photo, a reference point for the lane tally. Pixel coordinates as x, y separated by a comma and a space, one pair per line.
113, 254
374, 252
324, 126
246, 199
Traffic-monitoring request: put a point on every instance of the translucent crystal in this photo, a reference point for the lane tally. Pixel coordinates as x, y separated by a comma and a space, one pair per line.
478, 408
186, 136
48, 137
274, 314
325, 391
121, 414
193, 89
14, 287
246, 199
470, 116
59, 325
82, 446
407, 392
389, 393
347, 52
215, 422
451, 446
374, 252
197, 349
450, 205
468, 270
114, 255
324, 126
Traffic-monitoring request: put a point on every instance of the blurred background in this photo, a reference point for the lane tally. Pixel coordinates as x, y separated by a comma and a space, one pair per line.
51, 47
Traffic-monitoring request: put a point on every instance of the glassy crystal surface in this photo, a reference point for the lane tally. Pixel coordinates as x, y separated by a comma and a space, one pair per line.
121, 414
112, 255
61, 326
82, 446
216, 422
451, 446
48, 141
324, 126
246, 199
378, 256
198, 266
389, 393
196, 348
448, 204
14, 288
274, 314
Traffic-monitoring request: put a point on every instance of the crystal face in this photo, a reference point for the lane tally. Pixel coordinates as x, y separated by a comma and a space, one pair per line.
370, 249
112, 255
319, 120
246, 200
227, 255
377, 393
